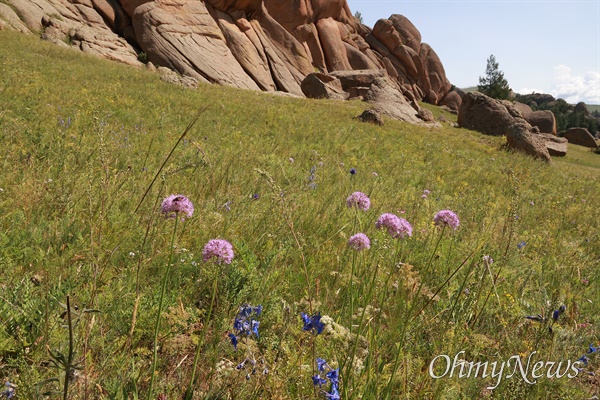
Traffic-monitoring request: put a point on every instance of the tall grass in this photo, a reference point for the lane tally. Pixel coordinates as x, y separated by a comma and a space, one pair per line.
81, 141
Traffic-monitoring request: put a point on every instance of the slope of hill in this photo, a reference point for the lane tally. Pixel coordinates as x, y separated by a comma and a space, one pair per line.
82, 141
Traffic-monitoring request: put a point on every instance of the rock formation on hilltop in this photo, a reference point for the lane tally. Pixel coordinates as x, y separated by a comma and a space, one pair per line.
269, 45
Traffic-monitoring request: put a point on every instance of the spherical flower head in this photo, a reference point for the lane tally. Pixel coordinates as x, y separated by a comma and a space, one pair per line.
219, 249
446, 217
397, 227
359, 242
359, 200
353, 171
175, 204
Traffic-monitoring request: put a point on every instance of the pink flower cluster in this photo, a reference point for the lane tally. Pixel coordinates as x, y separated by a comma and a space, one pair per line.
218, 249
397, 227
446, 217
359, 200
359, 242
175, 204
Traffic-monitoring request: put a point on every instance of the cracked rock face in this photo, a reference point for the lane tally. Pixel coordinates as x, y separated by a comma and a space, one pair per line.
269, 45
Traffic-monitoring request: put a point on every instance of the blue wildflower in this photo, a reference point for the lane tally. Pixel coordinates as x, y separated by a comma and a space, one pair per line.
592, 349
334, 394
321, 364
521, 245
313, 322
255, 324
584, 360
353, 171
9, 392
255, 196
558, 313
234, 340
317, 380
334, 376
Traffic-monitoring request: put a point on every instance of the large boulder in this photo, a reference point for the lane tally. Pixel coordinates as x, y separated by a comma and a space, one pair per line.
580, 136
543, 119
556, 146
322, 86
484, 114
520, 137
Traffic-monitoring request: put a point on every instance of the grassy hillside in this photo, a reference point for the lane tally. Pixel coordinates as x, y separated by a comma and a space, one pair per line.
82, 140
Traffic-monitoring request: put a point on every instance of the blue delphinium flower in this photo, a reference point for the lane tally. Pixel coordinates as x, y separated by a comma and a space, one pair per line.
584, 360
559, 312
244, 325
313, 322
333, 376
592, 349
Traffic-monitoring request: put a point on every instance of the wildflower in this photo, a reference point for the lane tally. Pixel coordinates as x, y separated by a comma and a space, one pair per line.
521, 245
234, 340
398, 228
291, 160
219, 249
255, 196
592, 349
131, 254
425, 193
317, 380
353, 171
375, 174
359, 200
558, 313
312, 323
488, 260
531, 203
244, 325
584, 360
175, 204
9, 392
446, 217
227, 205
321, 364
359, 242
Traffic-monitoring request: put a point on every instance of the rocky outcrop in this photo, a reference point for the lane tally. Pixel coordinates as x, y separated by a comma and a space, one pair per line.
543, 119
580, 136
499, 117
520, 137
268, 45
484, 114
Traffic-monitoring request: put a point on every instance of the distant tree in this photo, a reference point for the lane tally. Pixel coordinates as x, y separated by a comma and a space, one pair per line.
494, 84
358, 16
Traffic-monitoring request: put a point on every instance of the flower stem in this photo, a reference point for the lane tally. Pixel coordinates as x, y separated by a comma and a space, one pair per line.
158, 313
190, 390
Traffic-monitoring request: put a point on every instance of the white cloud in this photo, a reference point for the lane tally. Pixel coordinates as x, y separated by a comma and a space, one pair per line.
576, 88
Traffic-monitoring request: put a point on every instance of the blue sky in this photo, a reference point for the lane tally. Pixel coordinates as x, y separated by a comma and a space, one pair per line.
543, 46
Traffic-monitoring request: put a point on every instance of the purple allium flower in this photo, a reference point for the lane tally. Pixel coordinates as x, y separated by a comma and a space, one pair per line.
397, 227
175, 204
353, 171
446, 217
359, 200
219, 249
313, 322
359, 242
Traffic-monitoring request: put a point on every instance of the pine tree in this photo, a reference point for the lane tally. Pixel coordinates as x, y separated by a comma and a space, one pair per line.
494, 84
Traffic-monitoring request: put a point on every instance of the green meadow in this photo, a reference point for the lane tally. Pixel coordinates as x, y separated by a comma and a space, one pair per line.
90, 148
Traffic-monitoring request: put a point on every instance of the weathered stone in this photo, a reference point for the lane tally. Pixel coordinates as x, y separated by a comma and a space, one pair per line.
408, 32
371, 116
358, 78
580, 136
323, 86
484, 114
386, 98
336, 56
181, 35
520, 138
452, 100
543, 119
10, 19
254, 63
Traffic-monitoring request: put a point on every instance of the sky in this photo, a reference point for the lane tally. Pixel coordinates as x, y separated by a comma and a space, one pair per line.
541, 46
